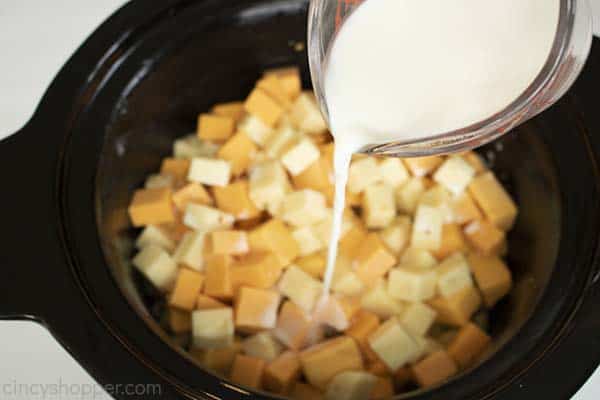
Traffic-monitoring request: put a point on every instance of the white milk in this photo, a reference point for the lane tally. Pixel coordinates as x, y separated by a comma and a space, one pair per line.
408, 69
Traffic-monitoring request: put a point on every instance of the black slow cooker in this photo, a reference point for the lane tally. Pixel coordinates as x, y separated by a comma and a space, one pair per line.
140, 80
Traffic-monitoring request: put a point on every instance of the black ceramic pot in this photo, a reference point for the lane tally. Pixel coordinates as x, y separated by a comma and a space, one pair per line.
140, 80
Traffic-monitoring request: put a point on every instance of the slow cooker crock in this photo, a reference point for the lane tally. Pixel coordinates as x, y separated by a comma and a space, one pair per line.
140, 80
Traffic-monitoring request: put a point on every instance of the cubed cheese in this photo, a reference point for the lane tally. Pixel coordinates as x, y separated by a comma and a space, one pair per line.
229, 242
307, 240
434, 369
493, 199
414, 257
417, 318
159, 181
215, 127
273, 236
412, 284
457, 309
153, 235
485, 237
439, 198
151, 207
427, 228
180, 321
393, 345
475, 161
408, 195
264, 107
303, 207
421, 166
363, 325
468, 345
256, 309
453, 275
273, 86
293, 325
397, 235
464, 209
239, 151
191, 193
157, 266
362, 174
452, 241
206, 219
300, 156
212, 329
248, 371
454, 174
393, 172
379, 205
218, 277
282, 373
220, 360
235, 199
317, 176
255, 129
259, 270
234, 109
306, 115
373, 260
262, 345
301, 288
187, 287
204, 302
492, 276
190, 251
378, 301
209, 171
351, 385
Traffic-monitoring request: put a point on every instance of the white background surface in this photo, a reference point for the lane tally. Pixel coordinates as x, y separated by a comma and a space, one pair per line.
36, 37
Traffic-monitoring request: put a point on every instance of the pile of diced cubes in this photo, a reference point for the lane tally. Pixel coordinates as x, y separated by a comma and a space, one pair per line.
235, 232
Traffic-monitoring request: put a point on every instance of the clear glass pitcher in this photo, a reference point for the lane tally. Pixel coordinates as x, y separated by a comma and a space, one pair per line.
567, 58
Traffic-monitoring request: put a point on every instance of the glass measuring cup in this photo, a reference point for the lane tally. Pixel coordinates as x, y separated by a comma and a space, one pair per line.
566, 60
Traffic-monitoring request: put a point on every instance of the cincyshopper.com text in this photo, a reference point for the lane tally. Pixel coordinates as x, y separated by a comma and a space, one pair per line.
14, 390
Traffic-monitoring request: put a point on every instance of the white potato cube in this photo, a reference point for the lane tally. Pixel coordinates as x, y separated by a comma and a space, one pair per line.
212, 329
397, 236
155, 236
427, 228
394, 345
255, 129
441, 199
303, 207
379, 205
378, 301
351, 385
307, 117
300, 156
158, 181
412, 284
408, 195
209, 171
328, 311
268, 186
190, 251
191, 146
283, 138
454, 275
323, 229
157, 266
363, 173
417, 318
418, 258
307, 240
262, 345
301, 288
454, 174
348, 284
393, 171
206, 219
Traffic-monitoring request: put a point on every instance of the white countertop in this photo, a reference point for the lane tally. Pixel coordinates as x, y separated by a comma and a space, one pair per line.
37, 36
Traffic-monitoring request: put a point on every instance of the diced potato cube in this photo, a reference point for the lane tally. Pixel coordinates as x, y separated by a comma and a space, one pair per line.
212, 329
351, 385
454, 174
347, 283
204, 302
475, 161
302, 391
379, 205
229, 242
190, 251
209, 171
397, 235
282, 373
307, 240
452, 241
300, 156
187, 287
412, 284
457, 309
264, 107
485, 237
283, 139
453, 275
156, 236
421, 166
151, 207
362, 174
293, 325
303, 207
215, 127
268, 186
305, 114
393, 172
350, 305
175, 230
290, 80
273, 236
259, 270
191, 146
493, 199
273, 86
256, 309
255, 129
427, 228
313, 264
206, 219
220, 360
323, 228
300, 288
179, 321
417, 318
363, 325
234, 109
329, 311
434, 369
218, 277
468, 345
464, 209
191, 193
159, 181
239, 151
323, 362
317, 176
417, 258
157, 266
262, 345
392, 344
492, 276
439, 198
383, 389
408, 195
378, 301
248, 371
373, 260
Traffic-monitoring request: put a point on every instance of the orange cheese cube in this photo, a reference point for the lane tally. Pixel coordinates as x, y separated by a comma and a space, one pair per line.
350, 306
273, 86
493, 199
383, 389
468, 344
323, 362
302, 391
247, 371
434, 369
218, 277
273, 236
352, 241
229, 242
180, 321
492, 276
452, 241
175, 230
282, 373
363, 325
373, 260
178, 168
220, 360
475, 161
290, 80
234, 199
259, 270
191, 193
458, 308
234, 109
421, 166
256, 309
264, 107
378, 368
485, 237
187, 287
464, 209
293, 326
215, 127
204, 302
313, 264
239, 150
151, 207
317, 176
